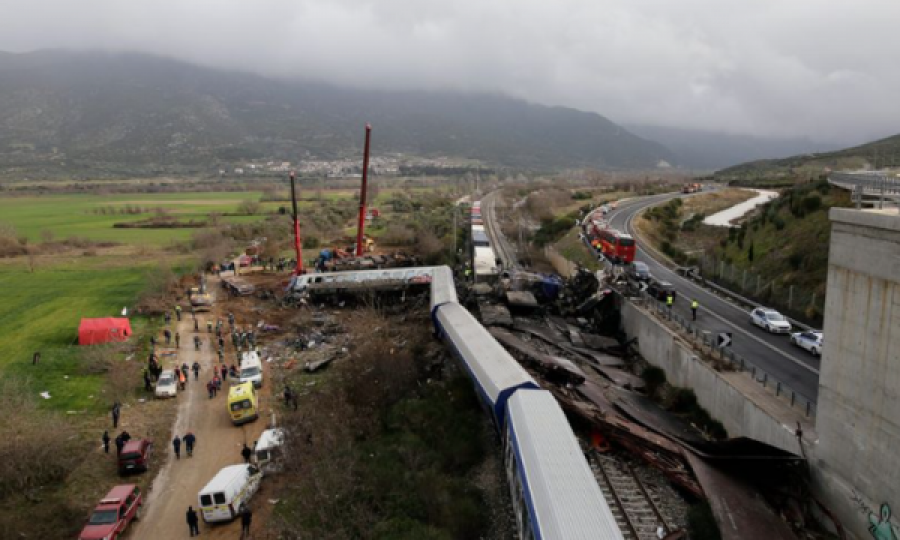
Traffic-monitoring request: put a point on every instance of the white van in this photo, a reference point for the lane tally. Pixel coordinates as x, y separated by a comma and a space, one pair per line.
269, 450
230, 488
251, 369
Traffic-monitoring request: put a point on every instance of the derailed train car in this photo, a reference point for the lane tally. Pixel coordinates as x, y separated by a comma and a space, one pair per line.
554, 493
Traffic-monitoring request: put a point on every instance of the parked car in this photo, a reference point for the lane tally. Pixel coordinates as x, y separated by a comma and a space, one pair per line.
114, 513
661, 290
770, 320
135, 456
811, 341
638, 270
167, 385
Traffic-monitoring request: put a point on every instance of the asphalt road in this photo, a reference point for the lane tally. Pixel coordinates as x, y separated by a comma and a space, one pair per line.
774, 354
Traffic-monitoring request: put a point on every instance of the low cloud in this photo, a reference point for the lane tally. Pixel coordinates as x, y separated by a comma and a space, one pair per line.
770, 68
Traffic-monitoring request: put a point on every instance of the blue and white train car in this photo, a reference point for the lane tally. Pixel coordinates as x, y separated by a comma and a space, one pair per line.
495, 373
554, 492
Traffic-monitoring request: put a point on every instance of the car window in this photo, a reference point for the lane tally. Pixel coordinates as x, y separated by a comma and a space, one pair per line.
103, 517
219, 498
205, 500
773, 316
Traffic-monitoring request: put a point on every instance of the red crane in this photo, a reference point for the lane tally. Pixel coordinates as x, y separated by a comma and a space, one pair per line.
298, 248
361, 225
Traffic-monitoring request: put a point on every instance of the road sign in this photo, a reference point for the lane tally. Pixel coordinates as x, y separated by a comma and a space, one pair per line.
724, 340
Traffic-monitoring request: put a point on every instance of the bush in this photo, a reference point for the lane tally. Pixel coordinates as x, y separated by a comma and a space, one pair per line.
654, 378
778, 221
811, 203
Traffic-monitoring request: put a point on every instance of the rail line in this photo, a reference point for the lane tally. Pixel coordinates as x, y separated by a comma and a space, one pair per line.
503, 250
633, 505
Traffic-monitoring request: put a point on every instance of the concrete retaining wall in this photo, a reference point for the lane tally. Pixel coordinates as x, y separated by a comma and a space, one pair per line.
722, 397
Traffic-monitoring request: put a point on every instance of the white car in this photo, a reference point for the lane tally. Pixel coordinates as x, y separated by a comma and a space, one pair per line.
811, 341
770, 320
167, 385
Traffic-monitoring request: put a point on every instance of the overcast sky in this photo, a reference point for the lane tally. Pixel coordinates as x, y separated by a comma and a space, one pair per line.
828, 70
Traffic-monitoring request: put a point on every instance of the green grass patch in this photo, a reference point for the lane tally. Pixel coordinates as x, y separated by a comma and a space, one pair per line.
42, 311
77, 215
572, 248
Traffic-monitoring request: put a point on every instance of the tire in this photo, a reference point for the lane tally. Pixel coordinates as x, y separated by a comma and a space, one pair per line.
815, 352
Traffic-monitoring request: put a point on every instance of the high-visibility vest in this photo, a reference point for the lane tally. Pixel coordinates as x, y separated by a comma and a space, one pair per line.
695, 304
669, 300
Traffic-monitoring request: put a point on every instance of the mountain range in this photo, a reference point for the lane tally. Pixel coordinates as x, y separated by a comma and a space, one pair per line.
98, 113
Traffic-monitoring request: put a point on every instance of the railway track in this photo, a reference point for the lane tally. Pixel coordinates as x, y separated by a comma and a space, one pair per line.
635, 507
501, 247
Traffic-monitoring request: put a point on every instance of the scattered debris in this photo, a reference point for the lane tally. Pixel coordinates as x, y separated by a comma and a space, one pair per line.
45, 394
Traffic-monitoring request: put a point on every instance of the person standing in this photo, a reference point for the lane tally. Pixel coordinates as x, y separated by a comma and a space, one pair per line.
105, 440
115, 414
196, 368
120, 443
147, 386
209, 326
178, 313
196, 324
189, 441
246, 519
694, 305
196, 343
167, 317
221, 356
36, 358
168, 335
177, 340
193, 521
210, 389
224, 371
669, 301
176, 444
246, 453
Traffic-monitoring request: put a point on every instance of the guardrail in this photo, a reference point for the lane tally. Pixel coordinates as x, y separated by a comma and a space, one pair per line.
706, 341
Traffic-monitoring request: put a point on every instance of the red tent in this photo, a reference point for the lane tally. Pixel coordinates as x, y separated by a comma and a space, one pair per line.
93, 331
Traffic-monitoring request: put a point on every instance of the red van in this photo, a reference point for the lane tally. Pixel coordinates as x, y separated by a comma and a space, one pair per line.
135, 456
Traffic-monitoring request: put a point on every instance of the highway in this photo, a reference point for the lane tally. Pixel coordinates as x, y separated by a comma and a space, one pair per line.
772, 353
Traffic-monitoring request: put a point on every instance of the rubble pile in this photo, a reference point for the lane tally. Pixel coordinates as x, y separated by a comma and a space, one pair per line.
567, 335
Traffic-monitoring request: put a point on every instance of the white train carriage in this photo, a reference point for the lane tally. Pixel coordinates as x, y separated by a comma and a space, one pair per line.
554, 493
417, 274
485, 264
495, 373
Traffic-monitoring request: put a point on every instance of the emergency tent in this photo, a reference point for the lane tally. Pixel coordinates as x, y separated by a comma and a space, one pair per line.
105, 330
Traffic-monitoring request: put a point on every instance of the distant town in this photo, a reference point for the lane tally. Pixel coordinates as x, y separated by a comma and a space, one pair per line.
350, 168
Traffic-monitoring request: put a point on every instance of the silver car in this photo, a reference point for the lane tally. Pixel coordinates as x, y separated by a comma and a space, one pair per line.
167, 385
770, 320
811, 341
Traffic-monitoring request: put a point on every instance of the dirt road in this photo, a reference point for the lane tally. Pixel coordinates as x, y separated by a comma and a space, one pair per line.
218, 444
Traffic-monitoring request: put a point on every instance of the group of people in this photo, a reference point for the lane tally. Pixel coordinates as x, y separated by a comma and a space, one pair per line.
120, 441
189, 440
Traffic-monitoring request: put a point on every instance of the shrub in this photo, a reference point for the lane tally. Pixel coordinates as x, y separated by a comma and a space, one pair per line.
779, 223
654, 378
811, 203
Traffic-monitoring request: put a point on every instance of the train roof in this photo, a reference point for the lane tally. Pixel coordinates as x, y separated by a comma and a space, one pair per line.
495, 372
561, 491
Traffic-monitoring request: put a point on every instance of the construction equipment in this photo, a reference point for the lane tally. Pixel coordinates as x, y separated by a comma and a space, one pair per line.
201, 299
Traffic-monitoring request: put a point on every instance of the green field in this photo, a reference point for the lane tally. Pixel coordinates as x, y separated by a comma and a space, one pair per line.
41, 312
74, 215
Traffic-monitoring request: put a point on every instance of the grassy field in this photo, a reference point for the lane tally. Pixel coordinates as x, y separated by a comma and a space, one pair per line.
76, 215
41, 312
